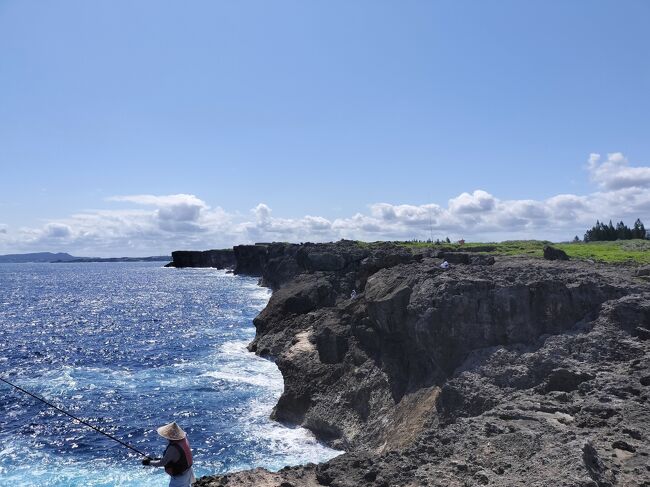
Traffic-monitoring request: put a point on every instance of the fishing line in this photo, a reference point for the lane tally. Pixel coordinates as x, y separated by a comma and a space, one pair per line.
75, 418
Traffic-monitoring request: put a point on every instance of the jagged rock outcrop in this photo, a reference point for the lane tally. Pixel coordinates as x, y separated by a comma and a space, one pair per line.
274, 263
250, 258
492, 372
551, 253
643, 271
220, 259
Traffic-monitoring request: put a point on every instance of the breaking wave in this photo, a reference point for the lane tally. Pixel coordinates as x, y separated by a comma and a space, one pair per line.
129, 347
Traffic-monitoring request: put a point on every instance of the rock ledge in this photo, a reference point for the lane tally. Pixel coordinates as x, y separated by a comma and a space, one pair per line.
497, 371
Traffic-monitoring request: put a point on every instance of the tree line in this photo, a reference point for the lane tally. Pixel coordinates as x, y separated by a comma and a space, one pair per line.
601, 231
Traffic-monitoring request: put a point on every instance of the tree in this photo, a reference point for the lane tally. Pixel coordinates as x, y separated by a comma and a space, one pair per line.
576, 239
623, 232
447, 240
600, 231
639, 229
610, 232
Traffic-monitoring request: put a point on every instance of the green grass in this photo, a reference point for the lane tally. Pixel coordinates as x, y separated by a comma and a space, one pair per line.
622, 251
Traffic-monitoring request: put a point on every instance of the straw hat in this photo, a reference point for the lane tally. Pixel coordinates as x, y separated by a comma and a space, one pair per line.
171, 432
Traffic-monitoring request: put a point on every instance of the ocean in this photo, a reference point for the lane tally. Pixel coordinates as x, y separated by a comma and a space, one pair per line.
129, 347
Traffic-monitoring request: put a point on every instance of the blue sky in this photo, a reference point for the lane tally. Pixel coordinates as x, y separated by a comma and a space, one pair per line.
141, 127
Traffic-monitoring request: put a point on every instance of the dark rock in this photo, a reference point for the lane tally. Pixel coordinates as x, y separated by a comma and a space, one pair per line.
370, 476
456, 257
551, 253
482, 260
320, 261
220, 259
490, 372
250, 259
466, 258
323, 477
595, 466
642, 333
622, 445
482, 478
642, 271
275, 263
565, 380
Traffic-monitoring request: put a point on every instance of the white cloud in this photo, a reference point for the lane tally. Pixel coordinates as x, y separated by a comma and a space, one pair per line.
317, 223
156, 224
527, 209
175, 213
162, 201
616, 173
262, 213
57, 230
478, 202
414, 215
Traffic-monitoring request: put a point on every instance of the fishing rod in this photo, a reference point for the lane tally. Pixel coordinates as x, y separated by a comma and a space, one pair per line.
76, 418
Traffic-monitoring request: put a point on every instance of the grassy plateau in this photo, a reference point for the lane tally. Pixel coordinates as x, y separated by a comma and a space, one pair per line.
620, 251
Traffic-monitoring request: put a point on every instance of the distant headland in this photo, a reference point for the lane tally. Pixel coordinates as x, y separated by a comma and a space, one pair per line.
62, 257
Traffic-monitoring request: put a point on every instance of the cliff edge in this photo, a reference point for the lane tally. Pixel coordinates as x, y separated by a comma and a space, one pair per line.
495, 371
219, 259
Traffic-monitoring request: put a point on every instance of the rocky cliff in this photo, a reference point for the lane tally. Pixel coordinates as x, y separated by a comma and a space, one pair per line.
506, 371
220, 259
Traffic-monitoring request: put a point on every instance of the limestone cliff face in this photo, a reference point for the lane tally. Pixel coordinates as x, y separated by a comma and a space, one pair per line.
220, 259
503, 371
274, 263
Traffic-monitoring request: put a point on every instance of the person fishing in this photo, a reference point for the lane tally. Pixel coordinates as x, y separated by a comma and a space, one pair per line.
177, 458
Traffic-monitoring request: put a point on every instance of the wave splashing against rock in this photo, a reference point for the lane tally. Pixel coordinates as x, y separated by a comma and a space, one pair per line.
497, 371
129, 347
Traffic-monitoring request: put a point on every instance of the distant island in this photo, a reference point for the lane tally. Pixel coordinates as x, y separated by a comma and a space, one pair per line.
36, 257
154, 258
62, 257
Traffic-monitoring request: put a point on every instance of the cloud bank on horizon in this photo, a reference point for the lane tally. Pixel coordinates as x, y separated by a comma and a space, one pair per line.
160, 224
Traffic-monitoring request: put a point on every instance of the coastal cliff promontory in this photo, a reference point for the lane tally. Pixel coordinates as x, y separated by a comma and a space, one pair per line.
219, 259
495, 371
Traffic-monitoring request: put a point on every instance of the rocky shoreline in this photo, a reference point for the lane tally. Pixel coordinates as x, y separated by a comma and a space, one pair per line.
500, 371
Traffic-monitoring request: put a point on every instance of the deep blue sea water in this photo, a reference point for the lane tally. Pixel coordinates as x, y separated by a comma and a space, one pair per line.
128, 347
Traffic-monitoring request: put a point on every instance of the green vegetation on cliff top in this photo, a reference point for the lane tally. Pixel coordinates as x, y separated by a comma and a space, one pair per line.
620, 251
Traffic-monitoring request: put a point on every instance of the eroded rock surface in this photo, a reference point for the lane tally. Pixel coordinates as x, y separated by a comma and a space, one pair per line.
506, 371
219, 259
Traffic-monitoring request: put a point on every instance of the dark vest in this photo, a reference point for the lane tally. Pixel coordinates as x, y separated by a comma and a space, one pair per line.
185, 460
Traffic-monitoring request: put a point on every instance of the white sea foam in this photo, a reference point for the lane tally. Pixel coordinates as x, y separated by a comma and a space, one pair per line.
234, 363
255, 380
295, 444
136, 315
237, 348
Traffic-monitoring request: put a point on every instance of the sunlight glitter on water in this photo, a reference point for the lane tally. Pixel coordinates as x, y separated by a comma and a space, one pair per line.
131, 346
